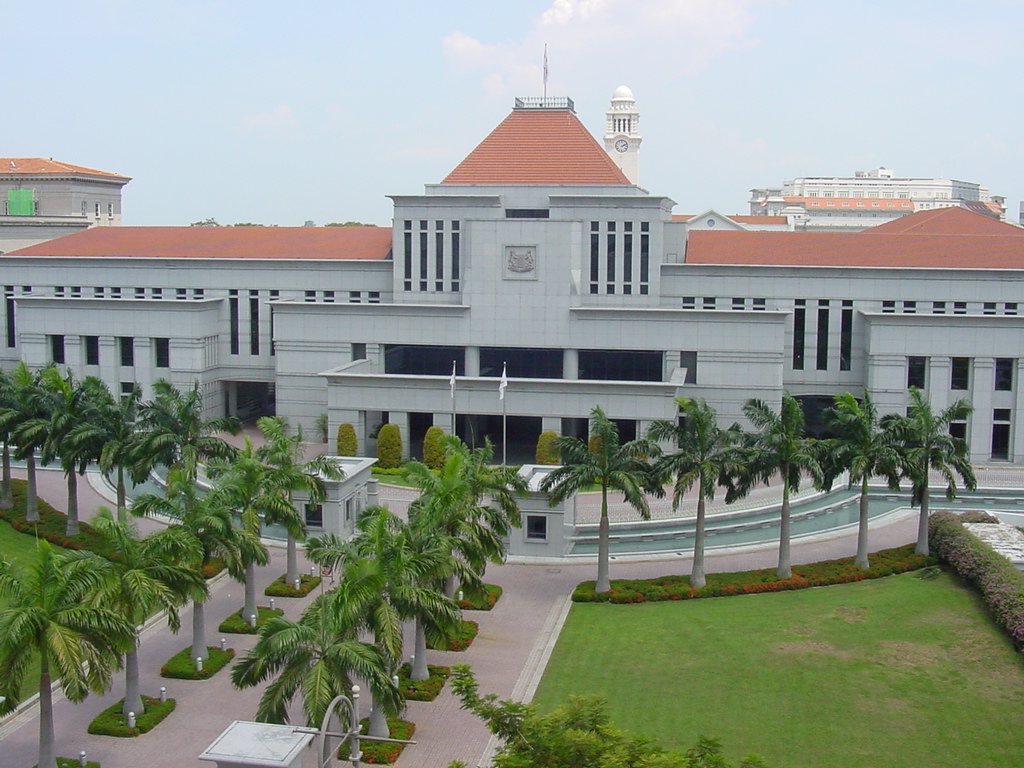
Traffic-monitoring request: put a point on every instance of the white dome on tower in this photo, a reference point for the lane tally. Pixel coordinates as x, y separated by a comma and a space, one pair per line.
623, 93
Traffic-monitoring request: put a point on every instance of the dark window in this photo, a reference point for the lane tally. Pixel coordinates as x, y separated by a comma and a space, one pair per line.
759, 305
739, 304
1004, 374
822, 355
988, 308
527, 213
455, 257
1010, 308
620, 365
710, 302
439, 257
315, 515
958, 429
9, 306
799, 333
407, 255
57, 349
960, 373
126, 344
522, 363
917, 368
1001, 414
254, 323
910, 307
959, 307
423, 360
846, 336
92, 350
358, 351
595, 256
273, 295
888, 306
162, 350
689, 302
180, 294
424, 247
127, 387
688, 360
536, 527
938, 307
233, 321
1000, 441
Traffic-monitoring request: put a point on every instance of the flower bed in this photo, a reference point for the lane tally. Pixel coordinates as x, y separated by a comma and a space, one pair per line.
382, 752
281, 588
181, 666
492, 593
461, 639
842, 571
422, 690
1001, 585
236, 625
110, 722
72, 762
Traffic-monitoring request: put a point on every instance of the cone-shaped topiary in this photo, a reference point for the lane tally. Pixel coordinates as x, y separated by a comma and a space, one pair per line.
433, 453
348, 443
546, 451
389, 447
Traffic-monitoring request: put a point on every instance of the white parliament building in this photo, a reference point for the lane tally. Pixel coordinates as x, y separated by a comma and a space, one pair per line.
539, 253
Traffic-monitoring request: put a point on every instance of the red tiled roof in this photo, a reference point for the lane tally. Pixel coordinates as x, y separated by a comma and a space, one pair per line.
39, 166
779, 221
219, 243
846, 249
538, 146
947, 221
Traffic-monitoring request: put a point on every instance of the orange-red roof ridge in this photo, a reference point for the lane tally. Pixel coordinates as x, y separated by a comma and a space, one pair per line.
44, 166
538, 146
947, 221
372, 243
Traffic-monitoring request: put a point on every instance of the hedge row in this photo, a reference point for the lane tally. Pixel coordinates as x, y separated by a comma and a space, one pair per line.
382, 752
111, 722
181, 666
1001, 585
422, 690
52, 525
281, 588
883, 563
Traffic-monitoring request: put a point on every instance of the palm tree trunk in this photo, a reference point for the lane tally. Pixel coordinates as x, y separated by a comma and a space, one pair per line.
132, 697
47, 758
6, 498
862, 528
292, 570
784, 571
922, 521
250, 592
449, 587
603, 583
122, 497
419, 666
72, 526
31, 506
697, 579
379, 721
199, 649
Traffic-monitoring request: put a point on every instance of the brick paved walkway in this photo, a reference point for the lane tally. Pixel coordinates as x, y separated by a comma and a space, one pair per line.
508, 657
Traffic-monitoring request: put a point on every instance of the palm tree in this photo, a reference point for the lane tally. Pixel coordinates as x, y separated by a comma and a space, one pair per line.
51, 615
622, 467
206, 519
864, 449
177, 434
779, 447
151, 574
112, 425
926, 444
318, 655
243, 484
705, 458
25, 420
284, 454
68, 406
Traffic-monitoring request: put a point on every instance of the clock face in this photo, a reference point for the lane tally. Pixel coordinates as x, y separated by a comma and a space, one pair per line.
621, 146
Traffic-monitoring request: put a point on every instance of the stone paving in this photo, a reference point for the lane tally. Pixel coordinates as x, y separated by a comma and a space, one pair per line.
508, 655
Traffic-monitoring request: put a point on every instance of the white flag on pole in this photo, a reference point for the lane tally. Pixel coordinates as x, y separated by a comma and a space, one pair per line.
504, 382
452, 380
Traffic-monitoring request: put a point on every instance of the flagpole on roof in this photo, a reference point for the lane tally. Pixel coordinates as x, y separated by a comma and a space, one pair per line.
545, 73
504, 414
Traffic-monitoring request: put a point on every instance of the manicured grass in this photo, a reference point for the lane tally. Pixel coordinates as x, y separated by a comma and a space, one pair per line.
898, 672
422, 690
181, 666
382, 752
236, 625
280, 588
492, 593
111, 722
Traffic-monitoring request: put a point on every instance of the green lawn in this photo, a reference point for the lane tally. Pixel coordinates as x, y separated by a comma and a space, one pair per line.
899, 672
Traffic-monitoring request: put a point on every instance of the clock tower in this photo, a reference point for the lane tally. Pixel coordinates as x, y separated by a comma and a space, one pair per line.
622, 134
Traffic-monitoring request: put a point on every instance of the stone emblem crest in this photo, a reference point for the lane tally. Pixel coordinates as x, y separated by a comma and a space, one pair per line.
521, 260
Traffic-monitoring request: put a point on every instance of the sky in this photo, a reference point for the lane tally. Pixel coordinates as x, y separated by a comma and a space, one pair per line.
316, 110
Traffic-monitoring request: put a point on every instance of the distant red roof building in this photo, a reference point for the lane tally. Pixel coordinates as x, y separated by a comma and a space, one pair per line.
370, 243
538, 146
947, 221
39, 166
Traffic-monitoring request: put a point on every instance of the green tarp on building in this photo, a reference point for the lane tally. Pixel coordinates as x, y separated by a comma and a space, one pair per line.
21, 202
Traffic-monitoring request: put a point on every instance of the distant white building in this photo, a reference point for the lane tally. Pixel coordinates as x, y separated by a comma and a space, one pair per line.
867, 199
41, 199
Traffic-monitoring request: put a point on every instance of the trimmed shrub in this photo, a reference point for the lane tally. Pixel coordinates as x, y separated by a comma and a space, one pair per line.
348, 443
433, 453
52, 525
461, 639
492, 592
842, 571
389, 447
422, 690
110, 722
236, 625
382, 752
546, 452
181, 666
281, 588
1001, 585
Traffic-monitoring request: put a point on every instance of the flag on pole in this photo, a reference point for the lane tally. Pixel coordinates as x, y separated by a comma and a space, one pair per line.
504, 382
452, 380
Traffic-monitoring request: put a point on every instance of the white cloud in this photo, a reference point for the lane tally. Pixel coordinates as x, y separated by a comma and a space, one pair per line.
677, 36
279, 121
